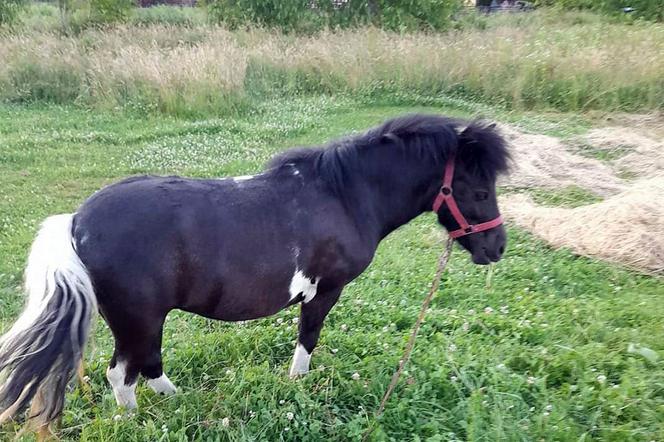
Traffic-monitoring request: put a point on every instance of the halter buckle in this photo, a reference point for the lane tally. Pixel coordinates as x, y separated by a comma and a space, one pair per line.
445, 190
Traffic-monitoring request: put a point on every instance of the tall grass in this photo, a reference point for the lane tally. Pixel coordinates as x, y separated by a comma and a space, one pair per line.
525, 62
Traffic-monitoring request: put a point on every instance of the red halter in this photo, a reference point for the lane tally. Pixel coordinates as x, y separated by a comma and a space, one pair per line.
445, 197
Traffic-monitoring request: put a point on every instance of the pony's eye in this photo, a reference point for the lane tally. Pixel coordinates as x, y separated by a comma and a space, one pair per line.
481, 195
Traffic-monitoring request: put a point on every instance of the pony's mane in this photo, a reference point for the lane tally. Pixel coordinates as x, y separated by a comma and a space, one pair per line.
432, 138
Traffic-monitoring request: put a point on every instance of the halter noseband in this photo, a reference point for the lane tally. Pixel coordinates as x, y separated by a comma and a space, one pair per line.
445, 196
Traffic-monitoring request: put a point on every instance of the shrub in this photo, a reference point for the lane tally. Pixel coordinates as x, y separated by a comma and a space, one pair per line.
110, 11
40, 17
9, 10
308, 16
646, 9
168, 15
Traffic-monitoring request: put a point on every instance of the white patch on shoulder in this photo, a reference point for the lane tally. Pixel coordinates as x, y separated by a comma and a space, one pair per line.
162, 385
125, 395
301, 360
300, 283
239, 179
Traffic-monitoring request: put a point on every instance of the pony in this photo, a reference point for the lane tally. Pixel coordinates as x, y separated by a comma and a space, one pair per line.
238, 248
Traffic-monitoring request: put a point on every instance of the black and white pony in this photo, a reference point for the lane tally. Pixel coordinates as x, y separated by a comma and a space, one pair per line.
237, 248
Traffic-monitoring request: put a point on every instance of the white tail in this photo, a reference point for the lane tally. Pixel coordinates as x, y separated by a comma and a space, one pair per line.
41, 351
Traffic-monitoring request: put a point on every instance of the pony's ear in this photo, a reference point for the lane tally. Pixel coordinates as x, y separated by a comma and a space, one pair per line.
472, 133
466, 135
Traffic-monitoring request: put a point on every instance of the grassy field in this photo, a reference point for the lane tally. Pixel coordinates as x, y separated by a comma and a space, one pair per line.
543, 60
541, 353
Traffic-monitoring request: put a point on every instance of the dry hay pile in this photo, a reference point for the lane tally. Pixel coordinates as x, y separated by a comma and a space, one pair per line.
627, 228
643, 155
544, 161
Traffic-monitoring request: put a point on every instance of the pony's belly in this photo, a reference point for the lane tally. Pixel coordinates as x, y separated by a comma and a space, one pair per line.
240, 305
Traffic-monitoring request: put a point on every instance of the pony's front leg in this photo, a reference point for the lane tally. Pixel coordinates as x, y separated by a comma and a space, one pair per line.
312, 315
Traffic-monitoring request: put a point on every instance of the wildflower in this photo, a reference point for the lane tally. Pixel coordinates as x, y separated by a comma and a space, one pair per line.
471, 311
282, 402
225, 422
290, 415
504, 310
601, 379
344, 327
295, 320
453, 378
488, 310
117, 417
280, 320
452, 348
252, 414
356, 376
548, 408
531, 380
335, 350
466, 326
164, 428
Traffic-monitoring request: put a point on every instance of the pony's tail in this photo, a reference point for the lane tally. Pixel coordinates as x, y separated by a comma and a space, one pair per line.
41, 351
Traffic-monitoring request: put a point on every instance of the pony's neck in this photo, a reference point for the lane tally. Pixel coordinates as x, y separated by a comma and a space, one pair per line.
390, 197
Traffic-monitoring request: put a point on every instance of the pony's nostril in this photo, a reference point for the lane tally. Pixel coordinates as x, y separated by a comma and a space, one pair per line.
501, 250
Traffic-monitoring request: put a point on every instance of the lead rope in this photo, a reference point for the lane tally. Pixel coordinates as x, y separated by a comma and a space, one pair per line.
442, 263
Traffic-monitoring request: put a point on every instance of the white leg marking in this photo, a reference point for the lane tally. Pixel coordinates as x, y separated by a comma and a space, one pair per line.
300, 283
301, 360
125, 395
162, 385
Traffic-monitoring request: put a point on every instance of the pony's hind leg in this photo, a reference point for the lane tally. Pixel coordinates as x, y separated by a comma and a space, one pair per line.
137, 352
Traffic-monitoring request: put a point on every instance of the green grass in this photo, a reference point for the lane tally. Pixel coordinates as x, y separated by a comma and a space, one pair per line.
599, 153
540, 354
570, 196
